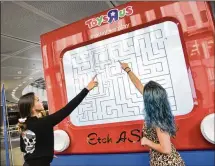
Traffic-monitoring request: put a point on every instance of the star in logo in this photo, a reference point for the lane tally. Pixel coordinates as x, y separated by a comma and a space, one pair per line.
112, 14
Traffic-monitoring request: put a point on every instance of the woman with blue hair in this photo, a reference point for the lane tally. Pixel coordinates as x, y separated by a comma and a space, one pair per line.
159, 124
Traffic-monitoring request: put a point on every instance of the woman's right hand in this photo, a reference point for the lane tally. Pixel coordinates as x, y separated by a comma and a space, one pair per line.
124, 66
92, 84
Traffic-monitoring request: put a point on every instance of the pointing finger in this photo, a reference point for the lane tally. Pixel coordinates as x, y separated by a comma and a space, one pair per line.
94, 77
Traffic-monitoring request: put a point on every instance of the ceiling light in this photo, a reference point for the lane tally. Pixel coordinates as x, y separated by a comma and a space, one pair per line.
19, 72
15, 98
16, 78
30, 78
14, 90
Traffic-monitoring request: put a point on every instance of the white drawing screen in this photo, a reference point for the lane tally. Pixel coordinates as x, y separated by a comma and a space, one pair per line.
153, 53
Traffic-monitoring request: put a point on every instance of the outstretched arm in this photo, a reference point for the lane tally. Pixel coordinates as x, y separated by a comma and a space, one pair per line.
58, 116
137, 83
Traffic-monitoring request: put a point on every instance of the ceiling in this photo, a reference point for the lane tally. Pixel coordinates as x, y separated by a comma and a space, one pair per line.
22, 23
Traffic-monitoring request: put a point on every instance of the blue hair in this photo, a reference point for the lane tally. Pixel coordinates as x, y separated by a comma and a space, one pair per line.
157, 108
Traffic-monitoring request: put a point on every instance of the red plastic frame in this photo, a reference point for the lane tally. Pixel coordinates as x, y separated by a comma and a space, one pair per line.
199, 60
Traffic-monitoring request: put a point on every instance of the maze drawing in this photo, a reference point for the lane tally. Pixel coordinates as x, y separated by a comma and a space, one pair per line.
153, 53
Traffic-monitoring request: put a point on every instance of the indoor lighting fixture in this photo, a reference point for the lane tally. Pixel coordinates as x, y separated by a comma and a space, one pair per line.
17, 78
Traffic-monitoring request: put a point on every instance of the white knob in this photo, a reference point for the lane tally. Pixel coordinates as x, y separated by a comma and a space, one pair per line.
61, 140
207, 128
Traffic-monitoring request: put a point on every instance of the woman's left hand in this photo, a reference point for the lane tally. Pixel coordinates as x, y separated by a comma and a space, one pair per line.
92, 84
144, 141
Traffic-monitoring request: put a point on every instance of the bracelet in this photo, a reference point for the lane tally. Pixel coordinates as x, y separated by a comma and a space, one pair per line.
126, 68
128, 71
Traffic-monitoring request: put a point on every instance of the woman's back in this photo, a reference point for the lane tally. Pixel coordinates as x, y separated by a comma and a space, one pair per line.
37, 141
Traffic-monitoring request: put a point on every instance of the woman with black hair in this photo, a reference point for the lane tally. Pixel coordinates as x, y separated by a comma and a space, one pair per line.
37, 135
159, 124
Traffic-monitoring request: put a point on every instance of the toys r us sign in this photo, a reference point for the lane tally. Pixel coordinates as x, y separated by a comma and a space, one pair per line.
112, 15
